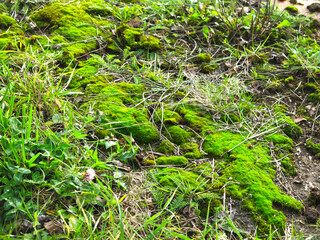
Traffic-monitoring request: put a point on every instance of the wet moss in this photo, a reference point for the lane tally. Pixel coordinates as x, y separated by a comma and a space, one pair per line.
174, 160
177, 135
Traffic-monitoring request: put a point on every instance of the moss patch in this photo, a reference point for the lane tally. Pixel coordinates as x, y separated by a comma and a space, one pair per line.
174, 160
191, 150
251, 169
177, 135
165, 147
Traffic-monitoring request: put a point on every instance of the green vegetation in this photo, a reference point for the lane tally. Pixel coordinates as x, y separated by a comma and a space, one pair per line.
153, 119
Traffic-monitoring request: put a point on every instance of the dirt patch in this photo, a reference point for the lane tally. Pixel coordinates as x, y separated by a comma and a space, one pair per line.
302, 6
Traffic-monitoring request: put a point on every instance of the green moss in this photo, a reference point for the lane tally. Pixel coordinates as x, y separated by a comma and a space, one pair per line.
191, 150
6, 21
148, 162
314, 97
177, 135
251, 169
208, 204
203, 58
230, 118
291, 128
292, 9
134, 38
314, 148
195, 122
165, 147
206, 68
151, 43
113, 101
203, 169
172, 178
279, 140
74, 24
167, 117
174, 160
287, 165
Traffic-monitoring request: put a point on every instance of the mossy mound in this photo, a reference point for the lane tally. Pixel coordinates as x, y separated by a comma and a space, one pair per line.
177, 135
203, 58
6, 21
134, 38
191, 150
174, 160
73, 22
165, 147
291, 128
167, 117
314, 148
281, 141
251, 169
115, 100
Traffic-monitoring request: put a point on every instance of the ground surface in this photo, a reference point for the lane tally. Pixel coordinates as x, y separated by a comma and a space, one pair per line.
153, 120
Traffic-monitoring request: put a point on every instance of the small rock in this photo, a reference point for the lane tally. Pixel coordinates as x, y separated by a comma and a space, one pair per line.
297, 180
311, 214
314, 7
315, 194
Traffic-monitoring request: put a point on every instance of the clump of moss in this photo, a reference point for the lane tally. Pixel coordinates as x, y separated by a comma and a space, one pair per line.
287, 165
73, 23
314, 148
167, 117
279, 140
191, 150
165, 147
208, 204
113, 101
173, 160
203, 58
230, 118
177, 135
134, 38
251, 168
290, 127
6, 21
292, 10
148, 162
151, 43
206, 68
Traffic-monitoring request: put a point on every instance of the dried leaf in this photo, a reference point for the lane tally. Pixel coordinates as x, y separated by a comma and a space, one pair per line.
54, 227
299, 119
